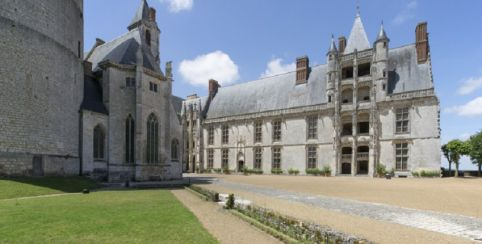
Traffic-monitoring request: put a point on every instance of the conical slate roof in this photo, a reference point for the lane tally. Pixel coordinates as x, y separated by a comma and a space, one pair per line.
141, 14
381, 34
358, 37
332, 45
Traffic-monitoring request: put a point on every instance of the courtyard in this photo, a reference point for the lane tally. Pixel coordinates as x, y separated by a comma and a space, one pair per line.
388, 211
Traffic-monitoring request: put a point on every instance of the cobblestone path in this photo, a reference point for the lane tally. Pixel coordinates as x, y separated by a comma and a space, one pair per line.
451, 224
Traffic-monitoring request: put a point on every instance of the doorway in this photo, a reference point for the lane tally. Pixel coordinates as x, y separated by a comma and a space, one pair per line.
346, 168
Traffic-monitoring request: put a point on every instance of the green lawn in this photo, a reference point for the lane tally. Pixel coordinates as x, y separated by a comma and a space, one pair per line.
30, 186
144, 216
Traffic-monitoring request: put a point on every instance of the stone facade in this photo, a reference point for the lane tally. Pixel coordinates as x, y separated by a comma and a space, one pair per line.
368, 106
41, 85
42, 129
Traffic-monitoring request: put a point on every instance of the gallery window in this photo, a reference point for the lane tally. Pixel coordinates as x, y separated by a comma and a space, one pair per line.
99, 143
312, 124
152, 140
401, 156
311, 157
210, 159
258, 158
210, 135
276, 158
277, 130
225, 134
402, 120
225, 158
258, 131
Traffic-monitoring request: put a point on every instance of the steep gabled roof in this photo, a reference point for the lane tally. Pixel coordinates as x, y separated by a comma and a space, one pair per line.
141, 14
358, 37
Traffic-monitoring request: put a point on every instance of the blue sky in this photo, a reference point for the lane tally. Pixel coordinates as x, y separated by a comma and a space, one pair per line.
247, 39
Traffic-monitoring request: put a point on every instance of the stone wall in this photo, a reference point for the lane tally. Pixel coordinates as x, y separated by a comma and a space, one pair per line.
42, 80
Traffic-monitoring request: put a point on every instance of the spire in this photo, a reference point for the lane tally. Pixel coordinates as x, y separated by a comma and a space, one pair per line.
332, 46
358, 37
142, 14
382, 36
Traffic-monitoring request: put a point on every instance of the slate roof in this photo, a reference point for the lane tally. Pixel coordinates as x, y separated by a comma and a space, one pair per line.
272, 93
123, 50
281, 92
358, 37
93, 100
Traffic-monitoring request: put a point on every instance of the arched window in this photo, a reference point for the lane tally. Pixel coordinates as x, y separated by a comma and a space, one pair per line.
152, 140
174, 150
148, 37
129, 146
99, 143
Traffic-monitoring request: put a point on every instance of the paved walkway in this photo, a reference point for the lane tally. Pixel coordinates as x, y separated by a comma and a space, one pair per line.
224, 226
456, 225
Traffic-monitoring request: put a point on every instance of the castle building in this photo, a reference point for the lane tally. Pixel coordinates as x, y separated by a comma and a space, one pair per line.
109, 115
368, 106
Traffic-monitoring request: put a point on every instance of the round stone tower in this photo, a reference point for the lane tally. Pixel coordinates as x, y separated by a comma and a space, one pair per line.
41, 86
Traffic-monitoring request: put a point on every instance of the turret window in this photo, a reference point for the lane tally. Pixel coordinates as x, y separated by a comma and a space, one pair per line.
148, 37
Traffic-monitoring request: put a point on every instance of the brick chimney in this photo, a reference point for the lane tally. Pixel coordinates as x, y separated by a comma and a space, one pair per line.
213, 87
421, 42
152, 14
341, 44
302, 70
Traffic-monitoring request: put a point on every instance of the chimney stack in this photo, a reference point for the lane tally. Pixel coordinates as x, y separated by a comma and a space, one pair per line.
213, 87
152, 14
421, 40
302, 69
341, 44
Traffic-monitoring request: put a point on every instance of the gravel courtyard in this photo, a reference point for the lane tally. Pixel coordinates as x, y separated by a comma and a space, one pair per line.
397, 210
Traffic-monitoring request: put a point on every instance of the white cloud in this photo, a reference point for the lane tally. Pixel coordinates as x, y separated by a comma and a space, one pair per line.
176, 6
275, 67
470, 85
471, 109
406, 13
216, 65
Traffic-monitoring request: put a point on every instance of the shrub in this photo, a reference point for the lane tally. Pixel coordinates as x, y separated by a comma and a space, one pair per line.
230, 202
381, 170
246, 171
277, 171
426, 173
226, 171
218, 170
326, 171
415, 174
256, 171
293, 171
314, 171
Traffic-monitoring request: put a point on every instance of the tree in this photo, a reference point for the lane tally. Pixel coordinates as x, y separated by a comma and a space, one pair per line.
475, 153
446, 153
457, 149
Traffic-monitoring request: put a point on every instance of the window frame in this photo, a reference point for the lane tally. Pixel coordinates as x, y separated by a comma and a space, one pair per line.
211, 135
276, 127
210, 158
312, 127
310, 160
98, 137
276, 158
152, 143
130, 140
225, 134
402, 116
402, 155
258, 158
225, 158
258, 131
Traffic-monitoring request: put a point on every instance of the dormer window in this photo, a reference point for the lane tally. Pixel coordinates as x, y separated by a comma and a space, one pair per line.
148, 37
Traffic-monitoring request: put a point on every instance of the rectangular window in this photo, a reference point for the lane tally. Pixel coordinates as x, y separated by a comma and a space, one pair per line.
258, 158
276, 163
210, 135
210, 158
225, 134
311, 157
277, 130
402, 120
153, 87
312, 124
130, 82
225, 158
401, 156
258, 132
